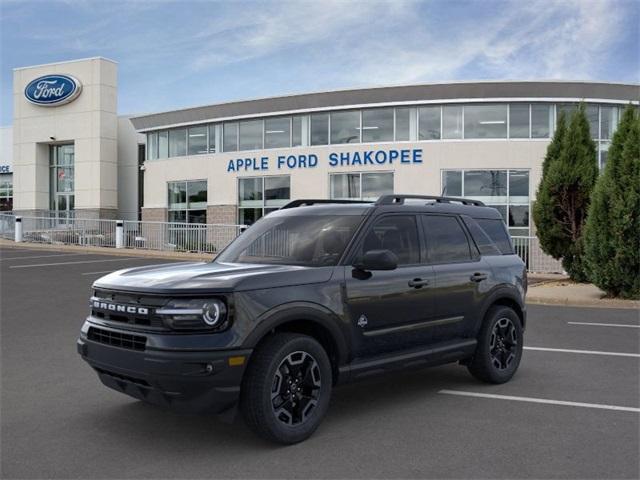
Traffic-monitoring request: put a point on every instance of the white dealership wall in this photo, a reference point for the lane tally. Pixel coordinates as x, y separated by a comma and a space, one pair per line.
89, 122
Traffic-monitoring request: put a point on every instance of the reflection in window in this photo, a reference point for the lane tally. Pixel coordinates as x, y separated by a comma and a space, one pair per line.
345, 186
345, 127
485, 121
187, 201
296, 131
197, 140
178, 142
163, 144
519, 120
377, 125
429, 123
361, 186
505, 190
608, 122
452, 121
230, 137
251, 135
212, 138
6, 192
446, 240
452, 183
397, 233
277, 132
592, 117
541, 120
152, 146
258, 196
320, 129
403, 124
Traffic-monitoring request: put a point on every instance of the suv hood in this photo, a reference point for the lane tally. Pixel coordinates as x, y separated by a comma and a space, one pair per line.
194, 277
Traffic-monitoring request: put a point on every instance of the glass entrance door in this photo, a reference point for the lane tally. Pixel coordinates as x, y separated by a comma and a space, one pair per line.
62, 176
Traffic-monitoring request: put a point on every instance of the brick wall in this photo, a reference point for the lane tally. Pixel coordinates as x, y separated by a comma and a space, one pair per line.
223, 214
154, 214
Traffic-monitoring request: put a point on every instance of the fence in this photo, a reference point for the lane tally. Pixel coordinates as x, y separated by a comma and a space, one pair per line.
185, 237
528, 248
7, 226
190, 237
163, 236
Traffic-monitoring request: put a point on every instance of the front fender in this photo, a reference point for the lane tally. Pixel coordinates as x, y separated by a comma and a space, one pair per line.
308, 311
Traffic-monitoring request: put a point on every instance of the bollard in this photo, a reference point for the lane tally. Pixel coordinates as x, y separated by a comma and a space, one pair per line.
119, 234
18, 230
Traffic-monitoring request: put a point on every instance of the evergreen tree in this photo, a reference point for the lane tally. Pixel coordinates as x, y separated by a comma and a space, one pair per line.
612, 233
563, 197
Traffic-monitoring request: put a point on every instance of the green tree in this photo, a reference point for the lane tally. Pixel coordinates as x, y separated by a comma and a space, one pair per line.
563, 197
612, 233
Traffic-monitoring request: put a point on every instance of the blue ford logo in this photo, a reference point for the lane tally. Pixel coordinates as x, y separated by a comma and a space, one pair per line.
53, 90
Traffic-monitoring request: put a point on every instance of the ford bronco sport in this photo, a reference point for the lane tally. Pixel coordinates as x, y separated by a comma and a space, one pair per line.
318, 293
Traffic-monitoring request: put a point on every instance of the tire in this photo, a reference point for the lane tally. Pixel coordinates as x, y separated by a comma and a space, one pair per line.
499, 349
297, 369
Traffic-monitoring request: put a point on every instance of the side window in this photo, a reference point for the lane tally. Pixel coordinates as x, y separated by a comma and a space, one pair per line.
482, 240
397, 233
497, 232
446, 240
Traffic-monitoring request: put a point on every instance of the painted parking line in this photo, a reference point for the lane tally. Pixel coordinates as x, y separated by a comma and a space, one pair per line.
622, 325
540, 400
78, 262
586, 352
41, 256
97, 273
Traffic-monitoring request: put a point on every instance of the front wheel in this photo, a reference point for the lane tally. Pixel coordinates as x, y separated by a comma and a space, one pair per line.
286, 389
499, 349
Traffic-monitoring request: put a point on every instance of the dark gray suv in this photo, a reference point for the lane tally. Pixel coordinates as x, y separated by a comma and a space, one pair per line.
318, 293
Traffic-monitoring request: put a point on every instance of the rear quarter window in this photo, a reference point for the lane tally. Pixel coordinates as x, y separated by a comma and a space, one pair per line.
497, 232
485, 244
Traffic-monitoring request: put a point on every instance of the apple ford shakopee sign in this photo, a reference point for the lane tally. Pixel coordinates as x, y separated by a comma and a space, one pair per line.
53, 90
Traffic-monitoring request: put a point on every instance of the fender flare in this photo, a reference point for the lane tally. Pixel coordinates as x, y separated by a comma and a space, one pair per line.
499, 293
305, 311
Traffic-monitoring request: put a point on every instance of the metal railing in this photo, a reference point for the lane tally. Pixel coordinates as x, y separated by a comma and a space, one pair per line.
191, 237
69, 231
528, 248
183, 237
7, 226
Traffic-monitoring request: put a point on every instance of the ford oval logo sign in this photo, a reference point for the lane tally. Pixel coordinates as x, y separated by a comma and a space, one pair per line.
53, 90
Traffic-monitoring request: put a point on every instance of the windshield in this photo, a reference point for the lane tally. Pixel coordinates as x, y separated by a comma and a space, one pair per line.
313, 241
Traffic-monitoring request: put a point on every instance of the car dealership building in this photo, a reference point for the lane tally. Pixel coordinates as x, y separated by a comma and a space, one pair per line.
234, 162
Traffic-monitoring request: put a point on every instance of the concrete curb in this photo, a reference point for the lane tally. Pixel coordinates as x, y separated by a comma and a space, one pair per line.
569, 302
126, 252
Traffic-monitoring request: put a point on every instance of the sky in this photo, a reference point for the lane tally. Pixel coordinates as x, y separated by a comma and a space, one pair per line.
176, 54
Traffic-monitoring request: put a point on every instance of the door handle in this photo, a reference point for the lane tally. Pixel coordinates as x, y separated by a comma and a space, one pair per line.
478, 277
418, 283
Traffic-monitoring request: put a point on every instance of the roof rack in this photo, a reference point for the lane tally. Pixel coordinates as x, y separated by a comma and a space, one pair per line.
399, 200
310, 201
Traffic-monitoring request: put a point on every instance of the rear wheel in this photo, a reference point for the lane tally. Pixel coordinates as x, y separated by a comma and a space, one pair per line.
499, 347
286, 390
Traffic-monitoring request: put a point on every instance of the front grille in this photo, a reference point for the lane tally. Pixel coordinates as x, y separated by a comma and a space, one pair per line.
128, 301
117, 339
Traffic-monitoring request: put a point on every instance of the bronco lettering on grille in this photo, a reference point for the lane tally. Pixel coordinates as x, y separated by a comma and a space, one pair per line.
114, 307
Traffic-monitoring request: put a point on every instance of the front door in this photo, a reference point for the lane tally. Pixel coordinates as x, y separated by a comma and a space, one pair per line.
388, 308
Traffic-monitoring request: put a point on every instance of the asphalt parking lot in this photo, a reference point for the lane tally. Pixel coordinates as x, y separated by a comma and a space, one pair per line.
572, 410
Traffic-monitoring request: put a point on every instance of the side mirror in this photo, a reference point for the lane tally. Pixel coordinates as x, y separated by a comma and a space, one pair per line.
377, 260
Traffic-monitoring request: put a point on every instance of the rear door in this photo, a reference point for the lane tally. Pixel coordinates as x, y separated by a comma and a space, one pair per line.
461, 276
389, 308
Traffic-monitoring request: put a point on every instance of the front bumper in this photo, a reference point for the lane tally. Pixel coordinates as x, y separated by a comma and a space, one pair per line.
184, 380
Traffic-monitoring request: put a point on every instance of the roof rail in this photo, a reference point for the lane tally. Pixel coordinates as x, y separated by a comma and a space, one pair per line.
310, 201
399, 199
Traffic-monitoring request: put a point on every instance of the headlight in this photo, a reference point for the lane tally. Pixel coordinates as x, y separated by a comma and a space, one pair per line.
205, 314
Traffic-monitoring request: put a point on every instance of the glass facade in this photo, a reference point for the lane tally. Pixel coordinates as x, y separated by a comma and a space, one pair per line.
61, 179
258, 196
383, 124
187, 201
506, 190
6, 192
360, 185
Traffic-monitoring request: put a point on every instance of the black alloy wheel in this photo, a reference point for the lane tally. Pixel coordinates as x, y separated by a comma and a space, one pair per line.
504, 343
296, 388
